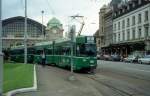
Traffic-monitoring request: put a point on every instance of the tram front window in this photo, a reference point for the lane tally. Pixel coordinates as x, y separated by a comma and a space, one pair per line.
86, 50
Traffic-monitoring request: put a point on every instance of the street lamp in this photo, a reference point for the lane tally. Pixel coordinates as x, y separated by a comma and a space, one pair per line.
42, 23
25, 34
1, 54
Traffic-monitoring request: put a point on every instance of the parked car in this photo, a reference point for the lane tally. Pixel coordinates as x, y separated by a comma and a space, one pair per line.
107, 57
131, 58
115, 57
100, 57
145, 59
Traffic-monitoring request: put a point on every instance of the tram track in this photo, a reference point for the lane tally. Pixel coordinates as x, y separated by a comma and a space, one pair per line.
134, 76
113, 88
116, 90
122, 89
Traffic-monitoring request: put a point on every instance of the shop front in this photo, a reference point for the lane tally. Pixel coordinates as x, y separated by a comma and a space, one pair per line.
124, 49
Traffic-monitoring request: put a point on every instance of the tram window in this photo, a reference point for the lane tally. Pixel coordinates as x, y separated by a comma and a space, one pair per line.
61, 51
38, 52
49, 51
66, 51
90, 49
31, 51
86, 50
15, 52
81, 50
57, 51
12, 52
19, 51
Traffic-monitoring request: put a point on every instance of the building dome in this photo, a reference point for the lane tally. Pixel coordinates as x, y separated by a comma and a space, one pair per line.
54, 22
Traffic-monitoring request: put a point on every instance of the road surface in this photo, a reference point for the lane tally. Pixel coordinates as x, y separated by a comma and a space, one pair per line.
123, 79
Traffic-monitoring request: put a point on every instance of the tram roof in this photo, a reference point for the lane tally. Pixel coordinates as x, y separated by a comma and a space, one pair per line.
17, 47
43, 43
62, 40
51, 42
47, 44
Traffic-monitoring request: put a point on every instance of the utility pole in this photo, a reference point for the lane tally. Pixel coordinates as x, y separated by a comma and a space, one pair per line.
25, 34
81, 21
72, 42
42, 23
1, 53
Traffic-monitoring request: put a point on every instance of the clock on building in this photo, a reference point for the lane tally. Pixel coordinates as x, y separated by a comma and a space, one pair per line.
54, 31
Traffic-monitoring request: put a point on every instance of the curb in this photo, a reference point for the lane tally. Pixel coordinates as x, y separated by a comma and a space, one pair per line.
22, 90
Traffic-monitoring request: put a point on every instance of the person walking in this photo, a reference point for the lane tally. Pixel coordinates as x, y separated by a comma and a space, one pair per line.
43, 58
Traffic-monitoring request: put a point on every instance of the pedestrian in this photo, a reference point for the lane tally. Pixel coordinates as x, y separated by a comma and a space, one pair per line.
43, 58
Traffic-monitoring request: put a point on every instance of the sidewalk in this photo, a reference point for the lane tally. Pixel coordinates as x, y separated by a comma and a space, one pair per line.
53, 81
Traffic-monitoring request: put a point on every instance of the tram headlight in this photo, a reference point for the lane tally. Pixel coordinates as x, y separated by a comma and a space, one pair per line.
63, 60
91, 61
84, 60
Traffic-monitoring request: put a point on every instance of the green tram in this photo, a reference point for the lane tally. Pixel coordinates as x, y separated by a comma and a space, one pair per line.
59, 53
17, 54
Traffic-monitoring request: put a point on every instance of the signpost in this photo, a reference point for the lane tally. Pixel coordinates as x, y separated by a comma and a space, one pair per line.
1, 54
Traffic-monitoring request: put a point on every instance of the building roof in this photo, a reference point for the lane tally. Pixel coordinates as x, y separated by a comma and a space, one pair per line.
20, 18
54, 22
128, 7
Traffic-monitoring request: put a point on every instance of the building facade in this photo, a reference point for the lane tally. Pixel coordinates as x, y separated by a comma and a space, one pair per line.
105, 36
108, 31
131, 27
54, 29
13, 31
97, 40
100, 37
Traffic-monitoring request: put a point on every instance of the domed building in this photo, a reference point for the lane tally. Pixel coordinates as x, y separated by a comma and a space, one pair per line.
54, 29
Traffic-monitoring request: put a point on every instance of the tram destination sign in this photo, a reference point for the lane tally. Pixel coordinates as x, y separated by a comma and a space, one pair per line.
90, 39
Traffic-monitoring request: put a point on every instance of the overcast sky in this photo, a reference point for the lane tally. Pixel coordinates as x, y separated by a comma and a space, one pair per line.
60, 9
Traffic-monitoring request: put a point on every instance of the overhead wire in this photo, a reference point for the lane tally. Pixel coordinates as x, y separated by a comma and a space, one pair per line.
50, 7
22, 4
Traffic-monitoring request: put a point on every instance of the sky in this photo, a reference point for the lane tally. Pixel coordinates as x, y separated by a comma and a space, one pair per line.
60, 9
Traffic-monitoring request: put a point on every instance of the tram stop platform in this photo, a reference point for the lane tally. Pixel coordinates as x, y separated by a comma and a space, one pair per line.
53, 81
